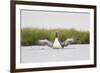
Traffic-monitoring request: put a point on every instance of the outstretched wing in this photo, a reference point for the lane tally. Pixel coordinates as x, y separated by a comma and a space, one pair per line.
67, 42
45, 42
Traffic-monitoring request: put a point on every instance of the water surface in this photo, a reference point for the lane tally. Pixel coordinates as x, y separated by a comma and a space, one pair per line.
35, 54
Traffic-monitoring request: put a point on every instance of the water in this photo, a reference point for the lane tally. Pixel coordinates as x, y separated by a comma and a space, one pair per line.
35, 54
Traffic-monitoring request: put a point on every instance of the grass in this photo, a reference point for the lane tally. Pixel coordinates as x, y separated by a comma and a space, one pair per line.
29, 36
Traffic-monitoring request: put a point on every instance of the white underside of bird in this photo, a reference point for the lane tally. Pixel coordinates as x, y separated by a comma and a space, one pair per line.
56, 44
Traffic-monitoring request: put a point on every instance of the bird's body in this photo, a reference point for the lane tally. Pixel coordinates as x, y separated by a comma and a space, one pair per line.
56, 44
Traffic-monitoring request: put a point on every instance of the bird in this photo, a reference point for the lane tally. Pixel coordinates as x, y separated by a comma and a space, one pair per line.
56, 44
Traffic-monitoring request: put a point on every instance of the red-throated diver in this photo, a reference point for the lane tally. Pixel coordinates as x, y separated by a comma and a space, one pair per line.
56, 43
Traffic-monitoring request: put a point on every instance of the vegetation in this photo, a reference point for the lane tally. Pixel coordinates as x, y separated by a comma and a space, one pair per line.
30, 36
